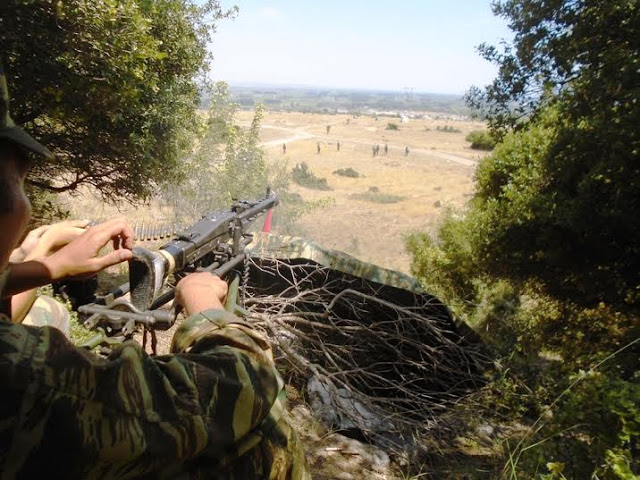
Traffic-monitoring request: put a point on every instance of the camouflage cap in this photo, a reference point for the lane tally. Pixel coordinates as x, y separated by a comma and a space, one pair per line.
10, 131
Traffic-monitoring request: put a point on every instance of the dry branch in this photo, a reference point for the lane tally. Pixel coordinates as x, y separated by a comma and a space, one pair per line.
387, 353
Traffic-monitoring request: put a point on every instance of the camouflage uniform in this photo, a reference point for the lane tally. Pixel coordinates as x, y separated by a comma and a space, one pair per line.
281, 247
213, 409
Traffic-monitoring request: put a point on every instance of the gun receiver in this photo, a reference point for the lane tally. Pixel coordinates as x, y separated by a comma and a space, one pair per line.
215, 244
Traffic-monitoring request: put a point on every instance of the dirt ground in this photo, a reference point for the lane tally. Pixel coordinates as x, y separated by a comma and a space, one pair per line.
436, 174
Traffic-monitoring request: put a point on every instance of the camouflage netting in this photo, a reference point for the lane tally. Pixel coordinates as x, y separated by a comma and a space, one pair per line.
382, 356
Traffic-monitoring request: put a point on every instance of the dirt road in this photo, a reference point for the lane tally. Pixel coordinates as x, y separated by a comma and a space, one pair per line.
301, 133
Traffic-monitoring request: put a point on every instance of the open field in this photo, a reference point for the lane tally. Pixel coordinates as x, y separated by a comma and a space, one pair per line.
436, 174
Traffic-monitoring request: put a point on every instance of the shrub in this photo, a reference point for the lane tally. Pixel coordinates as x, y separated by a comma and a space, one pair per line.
376, 196
306, 178
392, 126
347, 172
481, 140
444, 265
448, 129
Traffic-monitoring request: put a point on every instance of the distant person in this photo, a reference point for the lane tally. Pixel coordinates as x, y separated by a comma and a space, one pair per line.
284, 148
386, 149
377, 150
338, 146
318, 146
406, 151
373, 150
328, 129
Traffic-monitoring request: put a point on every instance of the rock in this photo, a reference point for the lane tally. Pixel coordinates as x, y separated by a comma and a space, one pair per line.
486, 431
338, 407
344, 476
369, 461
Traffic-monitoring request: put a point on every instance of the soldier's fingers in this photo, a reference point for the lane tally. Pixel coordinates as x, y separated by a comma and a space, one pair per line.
117, 230
112, 258
37, 232
76, 223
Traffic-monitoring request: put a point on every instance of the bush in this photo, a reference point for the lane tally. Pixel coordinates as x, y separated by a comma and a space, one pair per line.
392, 126
444, 265
481, 140
448, 129
494, 267
376, 196
347, 172
306, 178
549, 206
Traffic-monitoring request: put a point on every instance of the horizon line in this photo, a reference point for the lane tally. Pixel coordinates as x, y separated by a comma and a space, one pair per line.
404, 90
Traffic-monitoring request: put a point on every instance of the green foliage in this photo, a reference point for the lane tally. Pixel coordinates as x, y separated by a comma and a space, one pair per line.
481, 140
445, 264
392, 126
555, 207
347, 172
303, 176
109, 86
584, 52
229, 164
545, 264
373, 194
78, 332
589, 431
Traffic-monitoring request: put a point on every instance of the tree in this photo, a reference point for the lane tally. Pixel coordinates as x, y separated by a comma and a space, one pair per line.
109, 85
547, 257
573, 72
584, 52
229, 164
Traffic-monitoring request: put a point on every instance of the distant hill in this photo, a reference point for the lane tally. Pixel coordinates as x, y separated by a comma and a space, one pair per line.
326, 100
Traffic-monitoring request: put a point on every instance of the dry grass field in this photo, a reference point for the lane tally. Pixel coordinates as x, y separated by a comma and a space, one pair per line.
436, 174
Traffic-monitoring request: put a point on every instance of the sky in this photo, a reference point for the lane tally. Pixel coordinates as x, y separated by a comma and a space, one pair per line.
424, 45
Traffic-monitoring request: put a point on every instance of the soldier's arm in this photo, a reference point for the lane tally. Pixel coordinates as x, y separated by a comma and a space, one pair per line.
132, 414
77, 253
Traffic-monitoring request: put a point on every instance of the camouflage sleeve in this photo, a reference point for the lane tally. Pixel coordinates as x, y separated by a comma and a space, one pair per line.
66, 410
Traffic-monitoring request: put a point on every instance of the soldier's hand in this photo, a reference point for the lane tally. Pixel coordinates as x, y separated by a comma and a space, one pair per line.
82, 255
201, 291
44, 241
30, 241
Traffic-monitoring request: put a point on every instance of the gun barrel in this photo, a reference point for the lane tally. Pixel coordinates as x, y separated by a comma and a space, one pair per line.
265, 204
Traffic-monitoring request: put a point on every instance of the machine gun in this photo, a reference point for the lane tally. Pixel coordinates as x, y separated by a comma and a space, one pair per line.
214, 244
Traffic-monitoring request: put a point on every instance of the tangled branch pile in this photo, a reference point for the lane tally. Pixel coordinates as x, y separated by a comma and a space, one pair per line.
384, 360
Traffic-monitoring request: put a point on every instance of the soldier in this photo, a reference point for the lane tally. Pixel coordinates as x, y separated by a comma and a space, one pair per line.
212, 409
406, 151
338, 146
386, 148
318, 147
284, 148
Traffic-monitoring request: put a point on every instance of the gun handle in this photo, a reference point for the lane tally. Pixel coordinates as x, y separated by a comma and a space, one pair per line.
231, 302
